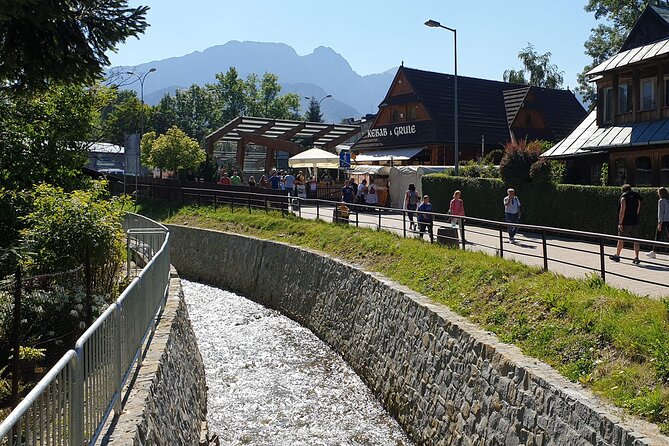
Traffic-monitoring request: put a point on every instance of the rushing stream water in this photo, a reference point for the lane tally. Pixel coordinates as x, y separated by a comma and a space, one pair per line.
273, 382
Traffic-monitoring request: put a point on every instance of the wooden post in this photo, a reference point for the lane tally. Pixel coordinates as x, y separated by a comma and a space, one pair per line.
269, 159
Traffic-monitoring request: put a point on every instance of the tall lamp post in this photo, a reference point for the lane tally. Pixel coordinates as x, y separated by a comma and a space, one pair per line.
319, 102
434, 24
141, 78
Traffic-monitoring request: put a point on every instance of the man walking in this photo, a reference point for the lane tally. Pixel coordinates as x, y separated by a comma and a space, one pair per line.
629, 207
511, 212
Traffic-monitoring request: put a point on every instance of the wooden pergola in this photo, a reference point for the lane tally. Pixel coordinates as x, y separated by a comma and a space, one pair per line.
292, 137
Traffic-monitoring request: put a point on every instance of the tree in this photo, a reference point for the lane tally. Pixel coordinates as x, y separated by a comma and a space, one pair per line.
517, 161
541, 72
229, 96
607, 38
194, 111
43, 136
313, 113
172, 151
55, 41
263, 99
124, 117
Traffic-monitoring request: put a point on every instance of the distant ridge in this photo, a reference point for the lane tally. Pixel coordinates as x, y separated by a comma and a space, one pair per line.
318, 74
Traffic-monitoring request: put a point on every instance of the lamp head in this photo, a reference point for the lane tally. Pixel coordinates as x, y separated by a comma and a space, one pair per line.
328, 96
433, 24
129, 72
152, 70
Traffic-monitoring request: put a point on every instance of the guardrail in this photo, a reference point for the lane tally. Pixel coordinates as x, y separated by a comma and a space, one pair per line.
72, 403
542, 240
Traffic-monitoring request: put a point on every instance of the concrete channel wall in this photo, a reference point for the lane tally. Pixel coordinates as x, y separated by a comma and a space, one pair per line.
167, 403
444, 379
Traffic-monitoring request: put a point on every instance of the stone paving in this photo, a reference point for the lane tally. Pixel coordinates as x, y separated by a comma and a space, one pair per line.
567, 257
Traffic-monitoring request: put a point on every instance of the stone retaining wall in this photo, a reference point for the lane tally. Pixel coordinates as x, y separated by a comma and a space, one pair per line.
167, 404
445, 380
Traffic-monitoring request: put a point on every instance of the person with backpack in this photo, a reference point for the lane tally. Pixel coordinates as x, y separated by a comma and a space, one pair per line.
662, 218
511, 212
629, 207
411, 199
425, 220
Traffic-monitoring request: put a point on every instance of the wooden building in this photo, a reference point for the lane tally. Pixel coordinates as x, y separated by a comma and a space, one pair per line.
415, 125
629, 127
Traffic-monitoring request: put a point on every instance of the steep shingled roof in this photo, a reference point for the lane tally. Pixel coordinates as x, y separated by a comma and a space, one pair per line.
483, 106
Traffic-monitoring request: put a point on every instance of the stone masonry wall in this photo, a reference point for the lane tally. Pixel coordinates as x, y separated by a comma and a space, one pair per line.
445, 380
167, 404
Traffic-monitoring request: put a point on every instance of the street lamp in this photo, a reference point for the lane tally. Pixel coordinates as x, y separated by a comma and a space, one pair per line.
319, 102
434, 24
141, 78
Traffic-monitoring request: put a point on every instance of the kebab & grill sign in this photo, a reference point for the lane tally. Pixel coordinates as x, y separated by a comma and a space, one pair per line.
398, 130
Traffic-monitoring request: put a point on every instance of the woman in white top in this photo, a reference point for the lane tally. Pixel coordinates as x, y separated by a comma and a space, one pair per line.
662, 217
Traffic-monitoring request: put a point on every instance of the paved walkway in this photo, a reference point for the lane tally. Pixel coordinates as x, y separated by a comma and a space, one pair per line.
567, 257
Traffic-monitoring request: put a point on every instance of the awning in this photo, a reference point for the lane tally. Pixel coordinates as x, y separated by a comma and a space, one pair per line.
369, 170
314, 158
388, 155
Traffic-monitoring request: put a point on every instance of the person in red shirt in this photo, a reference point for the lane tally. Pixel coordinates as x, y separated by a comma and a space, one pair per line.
456, 208
225, 179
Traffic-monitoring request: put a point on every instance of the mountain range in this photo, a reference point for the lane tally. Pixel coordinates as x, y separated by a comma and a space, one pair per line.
318, 74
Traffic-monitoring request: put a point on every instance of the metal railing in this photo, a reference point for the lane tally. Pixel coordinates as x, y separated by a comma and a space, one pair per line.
72, 403
540, 243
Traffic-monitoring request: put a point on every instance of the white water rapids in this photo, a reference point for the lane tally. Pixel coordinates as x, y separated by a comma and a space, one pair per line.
273, 382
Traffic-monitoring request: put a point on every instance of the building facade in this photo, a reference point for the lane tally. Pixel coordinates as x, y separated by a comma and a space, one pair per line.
629, 127
415, 121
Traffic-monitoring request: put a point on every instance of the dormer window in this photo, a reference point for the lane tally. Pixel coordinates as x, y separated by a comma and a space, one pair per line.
648, 93
395, 115
624, 97
607, 105
412, 113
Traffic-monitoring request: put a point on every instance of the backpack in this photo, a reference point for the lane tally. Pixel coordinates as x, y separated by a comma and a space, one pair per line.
413, 197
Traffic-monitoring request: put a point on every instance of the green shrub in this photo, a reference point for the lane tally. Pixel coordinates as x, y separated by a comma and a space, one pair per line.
584, 208
540, 172
517, 161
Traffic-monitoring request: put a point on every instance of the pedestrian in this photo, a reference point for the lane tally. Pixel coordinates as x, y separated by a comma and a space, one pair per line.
347, 194
274, 180
354, 186
511, 212
362, 192
411, 200
235, 179
456, 207
662, 218
629, 206
225, 179
263, 182
425, 220
289, 182
252, 181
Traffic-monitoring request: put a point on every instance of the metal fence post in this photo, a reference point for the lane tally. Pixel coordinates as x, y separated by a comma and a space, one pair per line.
317, 211
215, 200
266, 209
118, 376
601, 259
404, 223
379, 228
299, 207
501, 243
76, 424
543, 243
128, 256
232, 204
462, 233
249, 204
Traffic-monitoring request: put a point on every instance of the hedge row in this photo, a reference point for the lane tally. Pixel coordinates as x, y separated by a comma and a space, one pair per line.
584, 208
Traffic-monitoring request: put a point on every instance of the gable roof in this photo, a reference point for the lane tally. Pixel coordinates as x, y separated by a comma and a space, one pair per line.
513, 102
482, 106
651, 26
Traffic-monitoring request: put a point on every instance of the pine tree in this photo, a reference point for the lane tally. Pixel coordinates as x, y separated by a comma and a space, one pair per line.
313, 113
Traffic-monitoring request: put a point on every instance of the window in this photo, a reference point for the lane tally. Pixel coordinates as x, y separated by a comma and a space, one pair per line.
395, 115
412, 113
621, 171
664, 169
528, 120
607, 105
644, 170
648, 93
624, 97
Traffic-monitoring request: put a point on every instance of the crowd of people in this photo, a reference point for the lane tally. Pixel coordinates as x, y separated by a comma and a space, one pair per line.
279, 180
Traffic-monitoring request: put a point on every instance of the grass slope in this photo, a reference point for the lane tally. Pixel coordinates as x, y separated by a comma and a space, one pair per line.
610, 340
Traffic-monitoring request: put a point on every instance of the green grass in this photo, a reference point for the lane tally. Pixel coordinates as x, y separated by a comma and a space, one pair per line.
613, 341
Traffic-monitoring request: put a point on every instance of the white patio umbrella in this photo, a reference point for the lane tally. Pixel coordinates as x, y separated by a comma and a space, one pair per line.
314, 158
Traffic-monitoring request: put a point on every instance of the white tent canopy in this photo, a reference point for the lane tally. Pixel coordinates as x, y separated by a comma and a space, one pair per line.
401, 177
314, 158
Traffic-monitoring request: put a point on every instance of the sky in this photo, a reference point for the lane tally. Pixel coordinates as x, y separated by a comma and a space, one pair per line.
373, 35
